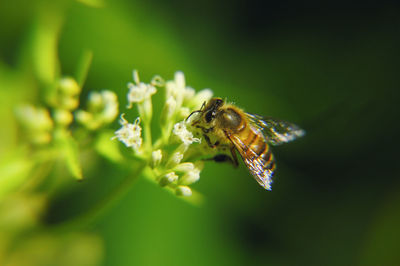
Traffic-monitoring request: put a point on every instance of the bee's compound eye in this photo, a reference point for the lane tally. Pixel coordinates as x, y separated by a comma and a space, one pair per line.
209, 116
218, 102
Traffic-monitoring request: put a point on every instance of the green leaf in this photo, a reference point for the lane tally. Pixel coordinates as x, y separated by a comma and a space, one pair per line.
44, 44
83, 67
71, 151
13, 173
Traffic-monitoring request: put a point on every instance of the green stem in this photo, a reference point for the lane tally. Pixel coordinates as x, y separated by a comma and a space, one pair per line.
145, 112
147, 136
104, 205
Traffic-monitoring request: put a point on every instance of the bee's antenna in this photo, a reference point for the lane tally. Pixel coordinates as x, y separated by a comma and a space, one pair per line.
196, 111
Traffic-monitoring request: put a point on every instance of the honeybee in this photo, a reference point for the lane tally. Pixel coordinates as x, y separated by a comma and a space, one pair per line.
249, 134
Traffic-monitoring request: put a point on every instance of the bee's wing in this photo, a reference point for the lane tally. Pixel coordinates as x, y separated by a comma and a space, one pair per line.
276, 131
256, 165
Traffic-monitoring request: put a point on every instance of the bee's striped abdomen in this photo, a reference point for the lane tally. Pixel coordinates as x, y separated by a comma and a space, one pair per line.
258, 148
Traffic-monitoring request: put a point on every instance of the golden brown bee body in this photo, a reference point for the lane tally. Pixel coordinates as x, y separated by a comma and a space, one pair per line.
247, 133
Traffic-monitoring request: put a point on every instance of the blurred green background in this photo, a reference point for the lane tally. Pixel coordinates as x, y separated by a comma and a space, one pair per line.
332, 68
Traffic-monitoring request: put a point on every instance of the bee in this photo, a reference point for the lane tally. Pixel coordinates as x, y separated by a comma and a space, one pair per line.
248, 134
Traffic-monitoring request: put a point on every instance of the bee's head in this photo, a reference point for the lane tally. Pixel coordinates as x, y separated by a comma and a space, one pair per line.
208, 110
211, 109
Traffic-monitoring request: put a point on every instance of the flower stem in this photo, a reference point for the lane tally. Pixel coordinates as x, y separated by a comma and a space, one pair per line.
145, 113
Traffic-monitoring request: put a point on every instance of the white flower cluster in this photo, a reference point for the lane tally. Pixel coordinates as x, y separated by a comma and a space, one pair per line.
130, 134
171, 158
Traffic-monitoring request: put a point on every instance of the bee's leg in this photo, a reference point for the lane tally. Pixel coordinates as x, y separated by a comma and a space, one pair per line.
235, 159
209, 142
222, 158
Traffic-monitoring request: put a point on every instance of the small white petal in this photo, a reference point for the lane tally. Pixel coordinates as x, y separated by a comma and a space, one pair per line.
185, 135
180, 79
135, 75
138, 93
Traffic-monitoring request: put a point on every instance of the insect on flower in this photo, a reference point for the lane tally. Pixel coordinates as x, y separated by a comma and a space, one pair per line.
227, 127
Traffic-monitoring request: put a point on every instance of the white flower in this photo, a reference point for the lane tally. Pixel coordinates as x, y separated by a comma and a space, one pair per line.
139, 92
171, 165
185, 135
130, 134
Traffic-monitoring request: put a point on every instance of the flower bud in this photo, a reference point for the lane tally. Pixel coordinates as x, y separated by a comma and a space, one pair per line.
168, 179
62, 117
69, 102
176, 158
69, 86
183, 191
157, 157
184, 167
